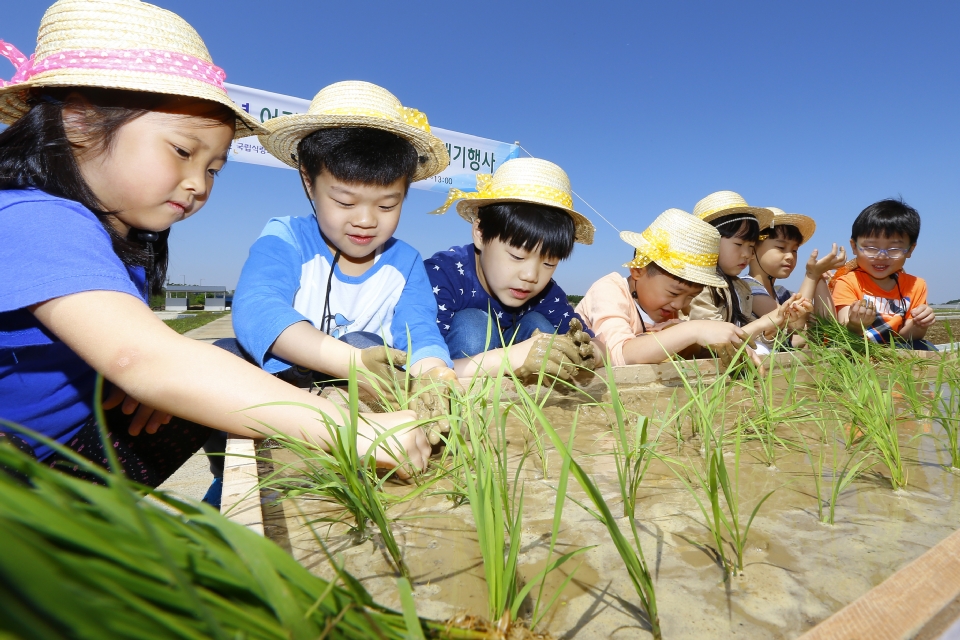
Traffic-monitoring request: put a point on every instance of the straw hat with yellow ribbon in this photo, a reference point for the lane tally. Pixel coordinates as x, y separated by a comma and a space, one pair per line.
680, 244
522, 180
116, 44
727, 203
357, 104
804, 224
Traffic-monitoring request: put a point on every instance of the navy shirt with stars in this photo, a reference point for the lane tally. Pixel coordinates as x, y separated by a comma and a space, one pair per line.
453, 276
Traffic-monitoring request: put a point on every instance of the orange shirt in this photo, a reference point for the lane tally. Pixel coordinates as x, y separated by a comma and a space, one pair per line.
893, 307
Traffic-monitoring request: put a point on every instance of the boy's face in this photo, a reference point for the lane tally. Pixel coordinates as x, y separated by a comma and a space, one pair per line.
882, 266
357, 219
660, 295
777, 256
511, 275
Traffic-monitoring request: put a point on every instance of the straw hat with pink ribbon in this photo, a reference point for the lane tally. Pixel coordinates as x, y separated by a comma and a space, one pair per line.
522, 180
116, 44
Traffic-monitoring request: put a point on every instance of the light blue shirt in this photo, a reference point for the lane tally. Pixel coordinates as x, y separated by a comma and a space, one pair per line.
284, 281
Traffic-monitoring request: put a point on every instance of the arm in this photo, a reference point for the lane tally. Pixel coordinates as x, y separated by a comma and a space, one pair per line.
656, 347
416, 313
813, 286
117, 335
921, 315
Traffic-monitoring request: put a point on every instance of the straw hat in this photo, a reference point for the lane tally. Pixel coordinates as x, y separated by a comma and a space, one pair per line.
804, 224
522, 180
357, 104
727, 203
116, 44
680, 244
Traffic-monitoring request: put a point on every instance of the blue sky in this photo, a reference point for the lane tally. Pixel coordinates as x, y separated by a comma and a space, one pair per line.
817, 107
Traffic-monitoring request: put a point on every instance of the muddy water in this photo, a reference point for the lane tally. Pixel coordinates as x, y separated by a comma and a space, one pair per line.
797, 570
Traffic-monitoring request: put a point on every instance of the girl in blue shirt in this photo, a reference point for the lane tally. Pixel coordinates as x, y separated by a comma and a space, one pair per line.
102, 156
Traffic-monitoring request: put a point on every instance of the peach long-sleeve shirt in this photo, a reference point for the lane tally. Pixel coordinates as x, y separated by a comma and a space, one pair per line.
611, 313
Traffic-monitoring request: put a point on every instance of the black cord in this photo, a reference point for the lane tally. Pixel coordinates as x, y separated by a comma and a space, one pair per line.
148, 238
325, 317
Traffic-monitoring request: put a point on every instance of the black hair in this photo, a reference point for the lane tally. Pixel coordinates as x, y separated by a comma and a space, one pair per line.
782, 232
887, 218
527, 226
653, 269
35, 152
358, 155
748, 230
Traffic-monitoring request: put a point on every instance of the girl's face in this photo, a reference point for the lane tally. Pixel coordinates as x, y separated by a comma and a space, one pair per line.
735, 254
159, 169
777, 257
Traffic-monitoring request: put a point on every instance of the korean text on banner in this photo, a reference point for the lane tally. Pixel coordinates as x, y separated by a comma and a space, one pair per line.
469, 155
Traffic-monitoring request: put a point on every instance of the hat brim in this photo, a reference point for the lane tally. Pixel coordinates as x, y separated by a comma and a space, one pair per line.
706, 276
583, 228
805, 224
763, 216
14, 99
285, 133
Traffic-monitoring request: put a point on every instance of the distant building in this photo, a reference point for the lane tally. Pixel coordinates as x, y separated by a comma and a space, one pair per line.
177, 296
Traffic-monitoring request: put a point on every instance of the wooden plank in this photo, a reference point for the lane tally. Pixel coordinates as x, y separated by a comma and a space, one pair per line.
241, 499
902, 605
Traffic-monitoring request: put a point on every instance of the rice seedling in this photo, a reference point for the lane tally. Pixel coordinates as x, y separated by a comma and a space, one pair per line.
344, 476
846, 465
495, 495
85, 560
945, 409
632, 555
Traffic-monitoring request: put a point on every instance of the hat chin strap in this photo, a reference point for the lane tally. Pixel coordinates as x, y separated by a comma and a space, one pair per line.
740, 219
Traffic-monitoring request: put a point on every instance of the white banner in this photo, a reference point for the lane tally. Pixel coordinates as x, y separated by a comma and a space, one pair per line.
469, 155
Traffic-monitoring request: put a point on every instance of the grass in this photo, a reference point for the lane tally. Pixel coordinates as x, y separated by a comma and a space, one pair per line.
85, 560
182, 325
769, 412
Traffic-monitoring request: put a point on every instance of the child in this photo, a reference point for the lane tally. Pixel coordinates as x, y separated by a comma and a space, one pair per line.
317, 289
103, 154
739, 226
775, 257
635, 318
523, 226
873, 295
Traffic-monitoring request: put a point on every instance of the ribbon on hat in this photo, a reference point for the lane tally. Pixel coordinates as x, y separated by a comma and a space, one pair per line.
138, 60
537, 193
658, 250
18, 60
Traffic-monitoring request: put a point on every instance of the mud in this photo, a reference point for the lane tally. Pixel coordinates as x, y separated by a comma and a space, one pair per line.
797, 570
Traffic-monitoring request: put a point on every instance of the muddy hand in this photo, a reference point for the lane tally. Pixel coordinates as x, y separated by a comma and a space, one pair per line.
588, 358
386, 365
557, 355
430, 396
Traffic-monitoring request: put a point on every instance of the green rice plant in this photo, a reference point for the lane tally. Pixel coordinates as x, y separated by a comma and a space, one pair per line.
97, 561
632, 555
945, 408
495, 495
846, 466
715, 480
768, 413
343, 476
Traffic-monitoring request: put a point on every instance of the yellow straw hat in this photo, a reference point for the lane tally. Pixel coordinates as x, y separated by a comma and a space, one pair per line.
680, 244
727, 203
116, 44
357, 104
522, 180
804, 224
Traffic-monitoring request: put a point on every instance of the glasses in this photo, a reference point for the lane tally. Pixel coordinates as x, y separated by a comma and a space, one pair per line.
874, 252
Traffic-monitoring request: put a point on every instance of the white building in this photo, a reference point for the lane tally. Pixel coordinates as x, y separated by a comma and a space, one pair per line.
177, 296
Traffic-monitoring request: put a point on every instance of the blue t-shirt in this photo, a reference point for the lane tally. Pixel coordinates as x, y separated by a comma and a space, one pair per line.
453, 276
51, 247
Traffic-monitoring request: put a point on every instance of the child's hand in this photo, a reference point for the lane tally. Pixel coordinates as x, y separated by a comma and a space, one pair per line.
407, 450
833, 260
430, 398
797, 313
386, 365
723, 339
147, 417
560, 356
664, 325
861, 314
923, 315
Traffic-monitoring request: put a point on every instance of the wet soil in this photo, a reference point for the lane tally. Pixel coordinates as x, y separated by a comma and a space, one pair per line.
797, 570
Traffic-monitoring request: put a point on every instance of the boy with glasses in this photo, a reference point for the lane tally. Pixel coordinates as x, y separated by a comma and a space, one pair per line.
875, 297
